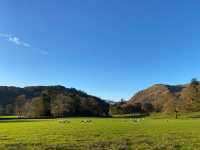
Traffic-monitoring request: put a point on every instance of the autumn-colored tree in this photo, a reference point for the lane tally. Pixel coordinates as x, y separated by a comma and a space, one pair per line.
191, 96
62, 106
35, 108
19, 106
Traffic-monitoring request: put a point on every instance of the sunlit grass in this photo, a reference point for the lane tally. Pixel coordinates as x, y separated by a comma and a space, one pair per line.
101, 133
7, 117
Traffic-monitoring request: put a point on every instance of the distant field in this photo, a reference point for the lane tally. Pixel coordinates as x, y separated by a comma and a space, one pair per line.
100, 134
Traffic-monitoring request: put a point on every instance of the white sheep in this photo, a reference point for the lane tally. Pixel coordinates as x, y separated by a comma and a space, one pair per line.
64, 121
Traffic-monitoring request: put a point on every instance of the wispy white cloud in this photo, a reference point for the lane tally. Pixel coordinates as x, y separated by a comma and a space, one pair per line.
17, 41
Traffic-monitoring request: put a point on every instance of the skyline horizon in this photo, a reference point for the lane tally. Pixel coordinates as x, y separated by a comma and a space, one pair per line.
111, 49
104, 98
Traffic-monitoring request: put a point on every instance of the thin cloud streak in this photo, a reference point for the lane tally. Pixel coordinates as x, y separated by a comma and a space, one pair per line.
17, 41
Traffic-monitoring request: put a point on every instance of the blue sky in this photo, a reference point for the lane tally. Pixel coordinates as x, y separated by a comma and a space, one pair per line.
108, 48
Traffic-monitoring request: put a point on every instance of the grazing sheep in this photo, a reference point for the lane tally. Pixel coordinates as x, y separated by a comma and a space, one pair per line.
82, 121
64, 121
86, 121
136, 120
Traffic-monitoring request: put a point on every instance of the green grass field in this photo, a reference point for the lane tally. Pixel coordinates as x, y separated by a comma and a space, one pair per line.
101, 133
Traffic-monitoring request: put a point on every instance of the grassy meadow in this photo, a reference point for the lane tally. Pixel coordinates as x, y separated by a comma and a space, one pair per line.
102, 133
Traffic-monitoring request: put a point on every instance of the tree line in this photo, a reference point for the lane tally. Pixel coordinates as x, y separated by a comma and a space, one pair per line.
124, 107
51, 102
187, 100
58, 101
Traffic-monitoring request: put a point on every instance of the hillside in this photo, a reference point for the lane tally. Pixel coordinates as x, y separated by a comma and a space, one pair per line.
41, 101
159, 95
155, 92
167, 98
162, 98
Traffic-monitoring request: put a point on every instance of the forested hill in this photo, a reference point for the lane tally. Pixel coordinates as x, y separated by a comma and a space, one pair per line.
50, 101
163, 98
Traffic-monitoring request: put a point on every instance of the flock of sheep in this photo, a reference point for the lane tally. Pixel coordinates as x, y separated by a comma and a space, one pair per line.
68, 121
90, 121
137, 120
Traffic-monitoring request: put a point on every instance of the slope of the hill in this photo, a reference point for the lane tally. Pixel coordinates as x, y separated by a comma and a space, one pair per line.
166, 98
